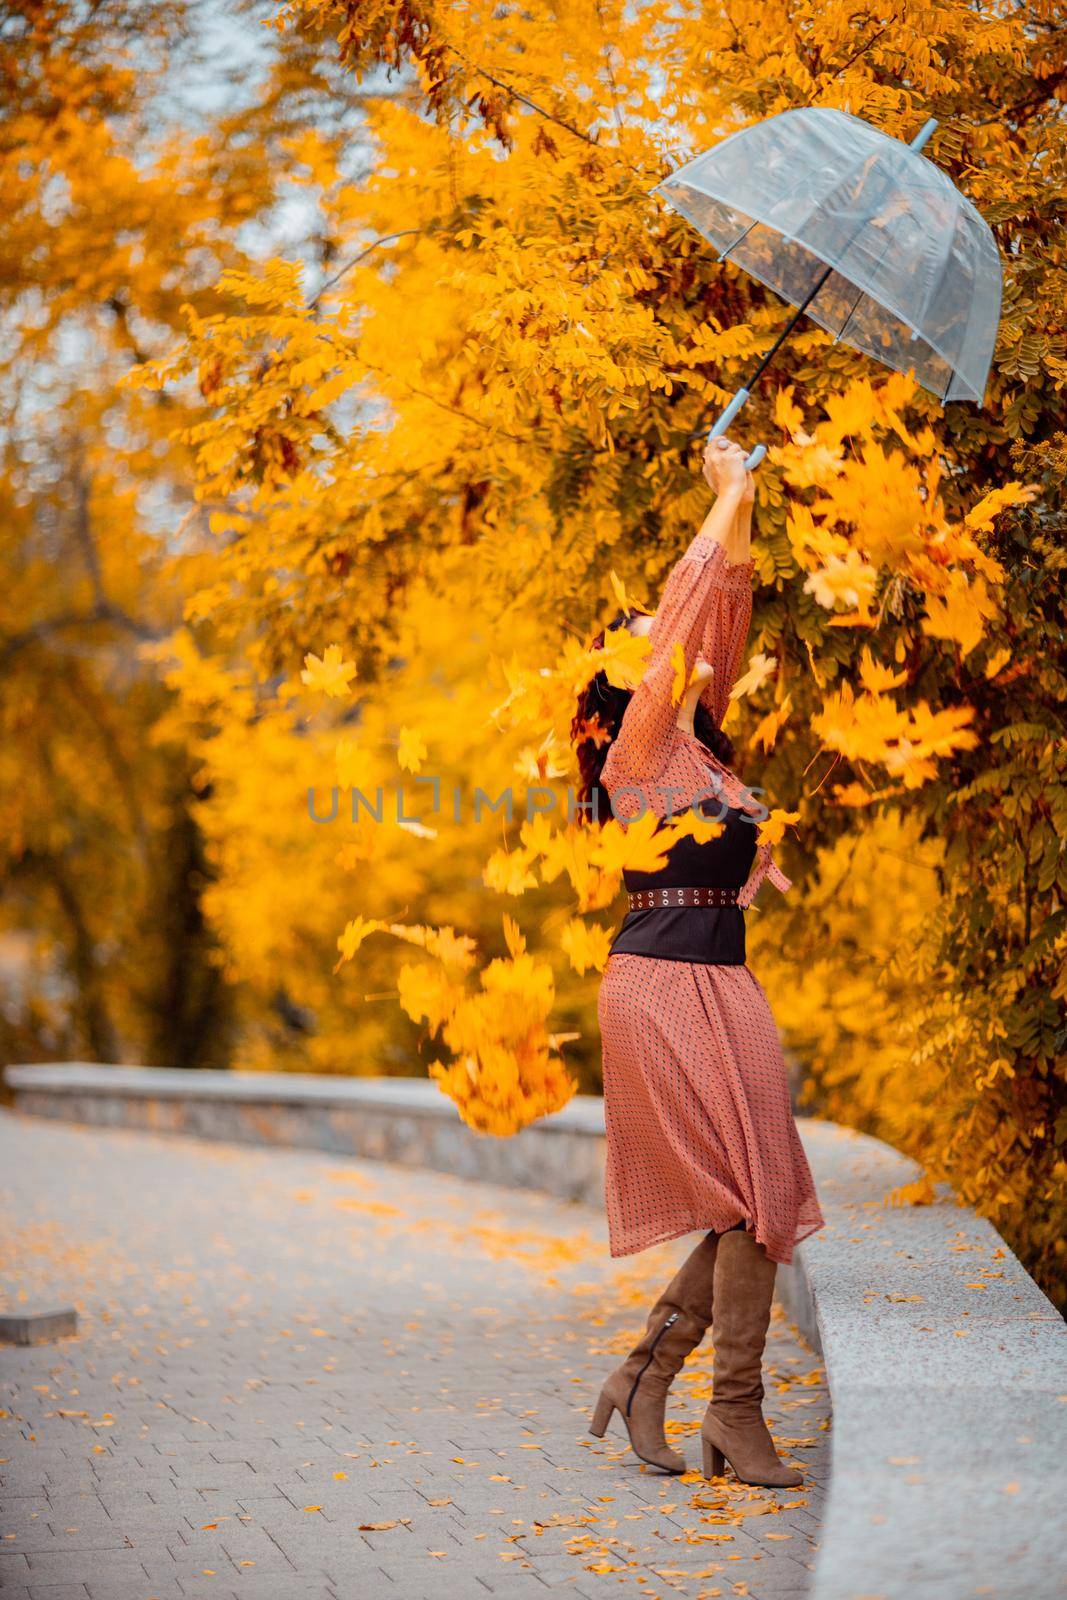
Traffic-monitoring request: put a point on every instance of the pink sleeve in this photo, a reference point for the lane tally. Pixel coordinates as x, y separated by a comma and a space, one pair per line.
725, 636
764, 866
692, 598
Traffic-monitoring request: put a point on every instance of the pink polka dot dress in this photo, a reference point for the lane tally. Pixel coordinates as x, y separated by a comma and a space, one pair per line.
700, 1129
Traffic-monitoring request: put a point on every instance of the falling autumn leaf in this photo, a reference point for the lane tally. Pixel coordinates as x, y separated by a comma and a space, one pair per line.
760, 668
329, 675
411, 750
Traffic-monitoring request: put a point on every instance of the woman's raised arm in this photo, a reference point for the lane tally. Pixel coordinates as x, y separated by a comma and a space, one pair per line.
727, 624
694, 591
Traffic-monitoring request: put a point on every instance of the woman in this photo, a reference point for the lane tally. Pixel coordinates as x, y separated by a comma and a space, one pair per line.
700, 1130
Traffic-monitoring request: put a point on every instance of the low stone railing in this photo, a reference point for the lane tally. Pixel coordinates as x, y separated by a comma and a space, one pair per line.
947, 1365
406, 1120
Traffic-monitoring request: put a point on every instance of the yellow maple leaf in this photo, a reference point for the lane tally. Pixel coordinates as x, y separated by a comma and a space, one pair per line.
636, 845
810, 538
850, 413
760, 668
509, 872
982, 516
682, 678
847, 579
959, 614
329, 675
853, 794
769, 727
626, 602
785, 413
772, 831
690, 825
864, 728
586, 944
876, 677
810, 463
453, 948
622, 660
551, 759
411, 750
355, 933
427, 994
939, 733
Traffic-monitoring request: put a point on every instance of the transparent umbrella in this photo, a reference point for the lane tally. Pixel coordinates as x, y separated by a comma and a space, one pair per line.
859, 231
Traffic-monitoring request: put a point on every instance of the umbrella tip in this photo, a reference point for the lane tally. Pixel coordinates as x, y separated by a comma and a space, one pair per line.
924, 133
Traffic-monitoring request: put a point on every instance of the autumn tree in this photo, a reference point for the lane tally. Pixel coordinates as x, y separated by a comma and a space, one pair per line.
124, 198
544, 340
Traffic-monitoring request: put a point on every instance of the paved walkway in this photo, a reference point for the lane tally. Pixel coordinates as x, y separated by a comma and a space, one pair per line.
301, 1377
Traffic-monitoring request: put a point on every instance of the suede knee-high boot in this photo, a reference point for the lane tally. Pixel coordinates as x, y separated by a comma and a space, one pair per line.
637, 1389
733, 1428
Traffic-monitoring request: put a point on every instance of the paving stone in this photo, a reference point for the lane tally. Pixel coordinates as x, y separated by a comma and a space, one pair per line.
57, 1591
105, 1536
258, 1586
276, 1318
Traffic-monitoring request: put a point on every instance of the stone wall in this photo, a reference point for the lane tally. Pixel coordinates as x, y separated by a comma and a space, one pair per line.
406, 1120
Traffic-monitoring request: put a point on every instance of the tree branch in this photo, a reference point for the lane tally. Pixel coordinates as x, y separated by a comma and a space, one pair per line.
386, 238
103, 611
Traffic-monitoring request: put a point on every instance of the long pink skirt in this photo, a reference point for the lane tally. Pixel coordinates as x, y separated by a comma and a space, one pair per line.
700, 1130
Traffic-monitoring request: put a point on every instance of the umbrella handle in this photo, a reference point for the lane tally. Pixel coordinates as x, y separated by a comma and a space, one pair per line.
719, 428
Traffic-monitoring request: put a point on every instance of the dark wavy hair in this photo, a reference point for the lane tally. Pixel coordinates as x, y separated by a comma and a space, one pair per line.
596, 723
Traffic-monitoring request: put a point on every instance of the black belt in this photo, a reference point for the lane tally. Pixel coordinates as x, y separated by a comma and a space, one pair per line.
646, 899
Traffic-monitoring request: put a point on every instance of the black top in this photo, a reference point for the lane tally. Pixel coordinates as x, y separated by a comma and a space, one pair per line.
712, 935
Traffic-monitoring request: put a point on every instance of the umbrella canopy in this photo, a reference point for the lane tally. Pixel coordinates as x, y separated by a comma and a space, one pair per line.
915, 274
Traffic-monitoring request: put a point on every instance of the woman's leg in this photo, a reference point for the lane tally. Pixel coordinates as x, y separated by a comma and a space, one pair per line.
733, 1429
638, 1388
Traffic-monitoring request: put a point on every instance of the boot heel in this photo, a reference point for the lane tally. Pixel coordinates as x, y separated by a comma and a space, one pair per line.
601, 1417
714, 1460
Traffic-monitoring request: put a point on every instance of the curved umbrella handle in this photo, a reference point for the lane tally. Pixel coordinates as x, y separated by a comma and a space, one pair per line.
718, 428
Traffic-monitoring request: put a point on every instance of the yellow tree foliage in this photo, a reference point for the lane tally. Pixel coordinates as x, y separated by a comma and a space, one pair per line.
429, 454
